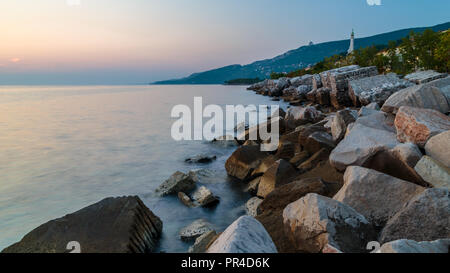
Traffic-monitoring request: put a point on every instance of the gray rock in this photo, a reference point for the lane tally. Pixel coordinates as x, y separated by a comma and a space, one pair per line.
195, 230
433, 172
339, 84
201, 159
430, 95
245, 235
296, 116
302, 80
185, 199
178, 182
420, 77
375, 195
314, 222
340, 122
417, 125
251, 207
113, 225
375, 89
204, 197
201, 243
368, 136
409, 153
410, 246
364, 111
426, 217
438, 147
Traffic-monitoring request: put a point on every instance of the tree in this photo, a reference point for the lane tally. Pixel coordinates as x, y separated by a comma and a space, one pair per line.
442, 53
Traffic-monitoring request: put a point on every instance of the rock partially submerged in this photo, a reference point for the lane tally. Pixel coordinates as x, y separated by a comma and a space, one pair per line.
251, 207
204, 197
314, 223
245, 235
203, 242
201, 159
178, 182
195, 230
113, 225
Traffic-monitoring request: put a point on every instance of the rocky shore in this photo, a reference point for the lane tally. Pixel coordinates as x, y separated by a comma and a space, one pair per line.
363, 164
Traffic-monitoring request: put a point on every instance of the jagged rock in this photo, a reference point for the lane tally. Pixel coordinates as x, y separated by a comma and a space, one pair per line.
438, 147
185, 199
201, 159
251, 207
306, 131
373, 106
243, 161
113, 225
375, 195
315, 221
201, 243
322, 96
417, 125
317, 141
286, 150
410, 246
195, 230
252, 186
433, 172
245, 235
301, 91
302, 80
375, 89
409, 153
310, 163
430, 95
339, 84
297, 116
204, 197
364, 111
278, 174
340, 122
311, 95
368, 136
265, 164
420, 77
299, 158
270, 211
323, 170
254, 133
226, 141
426, 217
178, 182
316, 81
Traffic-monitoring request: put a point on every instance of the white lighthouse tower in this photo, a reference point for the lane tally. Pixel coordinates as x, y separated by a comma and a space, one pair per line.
352, 43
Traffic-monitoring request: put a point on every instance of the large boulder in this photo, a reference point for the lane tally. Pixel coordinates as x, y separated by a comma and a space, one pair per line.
438, 147
317, 141
340, 122
113, 225
375, 195
375, 89
177, 182
426, 217
270, 211
368, 136
245, 235
417, 125
243, 161
408, 153
430, 95
410, 246
280, 173
339, 84
420, 77
296, 116
435, 173
314, 223
302, 80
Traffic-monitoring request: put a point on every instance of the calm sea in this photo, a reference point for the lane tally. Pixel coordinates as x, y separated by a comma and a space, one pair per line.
66, 147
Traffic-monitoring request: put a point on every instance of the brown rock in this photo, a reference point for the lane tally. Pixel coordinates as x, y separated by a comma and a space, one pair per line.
311, 163
417, 125
286, 150
244, 161
340, 122
317, 141
299, 158
280, 173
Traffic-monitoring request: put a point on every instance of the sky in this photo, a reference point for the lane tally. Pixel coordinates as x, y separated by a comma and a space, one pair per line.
140, 41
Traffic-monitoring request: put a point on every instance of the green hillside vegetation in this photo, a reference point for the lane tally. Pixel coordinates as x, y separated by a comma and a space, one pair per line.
426, 50
243, 81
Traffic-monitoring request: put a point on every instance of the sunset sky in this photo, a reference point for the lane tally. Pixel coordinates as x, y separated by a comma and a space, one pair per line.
139, 41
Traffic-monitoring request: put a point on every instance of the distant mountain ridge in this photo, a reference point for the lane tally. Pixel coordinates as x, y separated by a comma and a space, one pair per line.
293, 59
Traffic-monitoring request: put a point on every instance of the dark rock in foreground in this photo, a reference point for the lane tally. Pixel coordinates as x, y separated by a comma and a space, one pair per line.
113, 225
